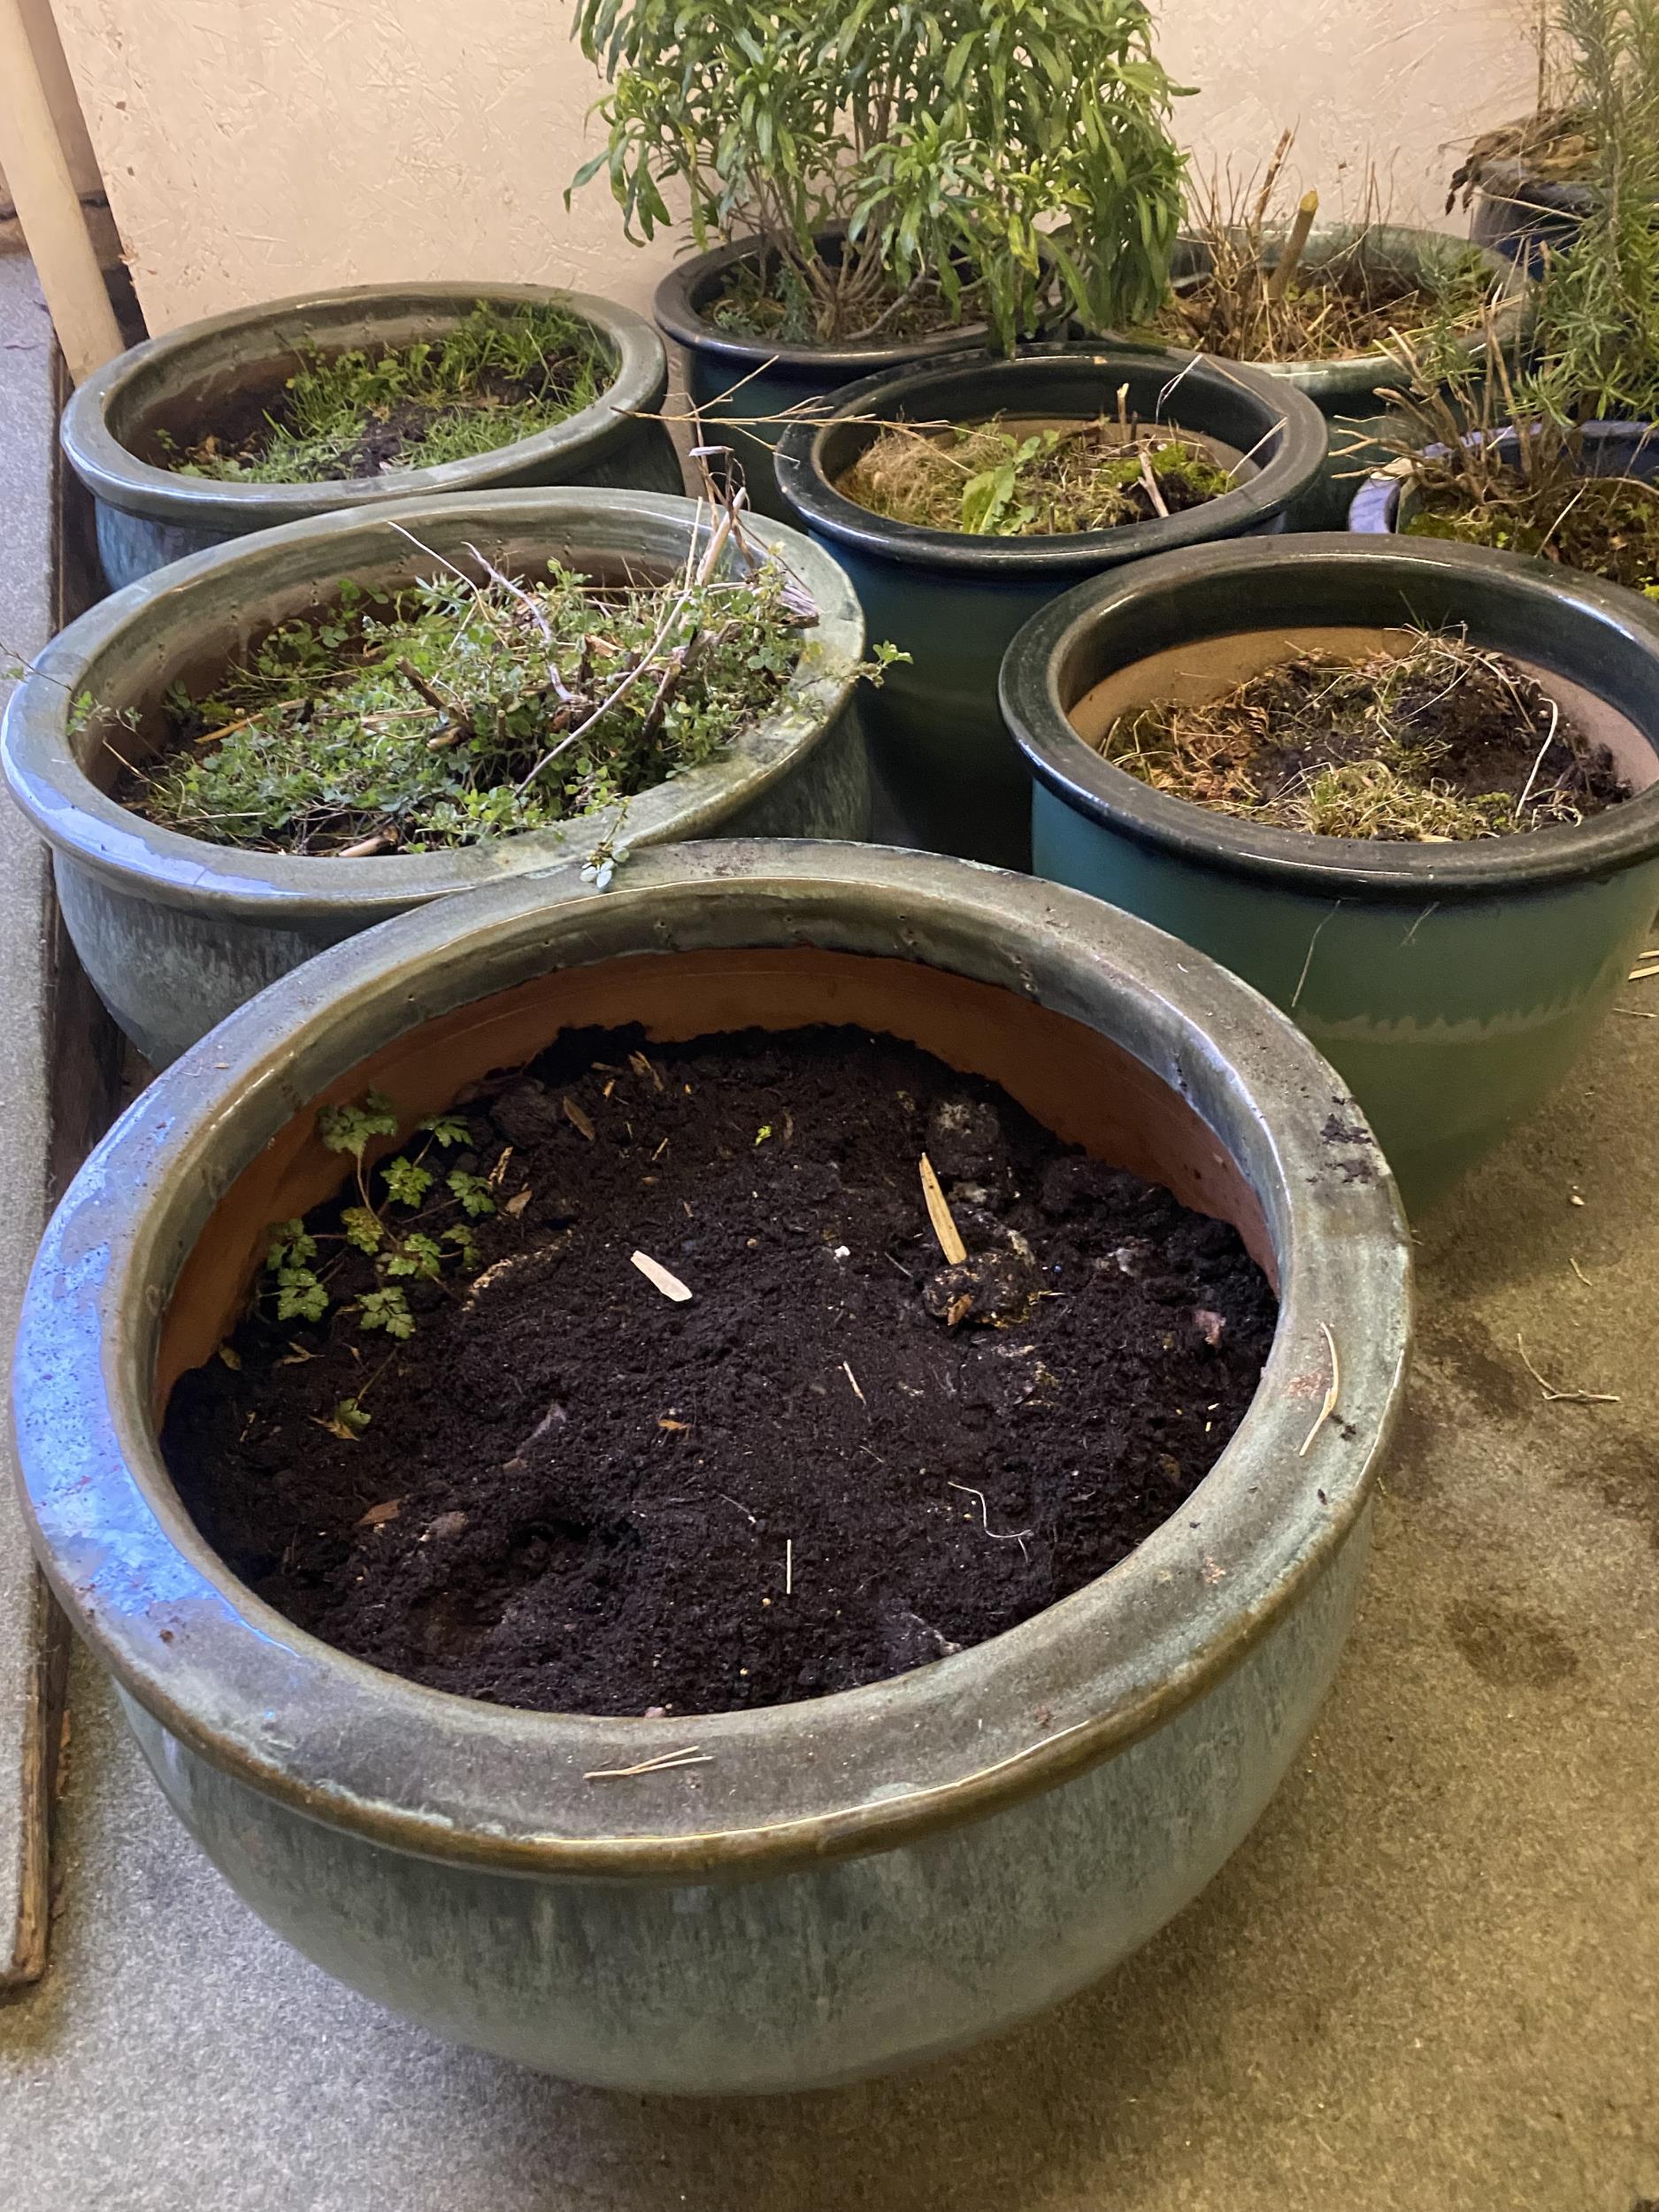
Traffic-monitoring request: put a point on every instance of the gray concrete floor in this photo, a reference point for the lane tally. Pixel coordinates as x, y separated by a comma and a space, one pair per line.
1429, 1979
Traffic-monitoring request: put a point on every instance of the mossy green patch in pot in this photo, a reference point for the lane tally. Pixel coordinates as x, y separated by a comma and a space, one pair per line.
953, 598
593, 418
1454, 983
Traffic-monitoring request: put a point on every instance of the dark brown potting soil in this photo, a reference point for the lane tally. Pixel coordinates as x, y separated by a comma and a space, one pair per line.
840, 1458
1439, 742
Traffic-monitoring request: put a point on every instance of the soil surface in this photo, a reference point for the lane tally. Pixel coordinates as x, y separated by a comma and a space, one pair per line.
839, 1459
1442, 742
1608, 526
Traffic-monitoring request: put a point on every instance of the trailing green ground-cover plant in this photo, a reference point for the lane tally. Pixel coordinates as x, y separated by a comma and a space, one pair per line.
502, 373
465, 710
981, 153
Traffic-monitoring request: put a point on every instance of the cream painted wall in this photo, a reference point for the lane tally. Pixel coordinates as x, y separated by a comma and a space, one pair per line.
253, 148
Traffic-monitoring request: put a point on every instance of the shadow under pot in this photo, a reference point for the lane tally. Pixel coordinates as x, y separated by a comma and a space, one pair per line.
1452, 983
765, 377
1380, 261
221, 378
799, 1892
948, 777
176, 931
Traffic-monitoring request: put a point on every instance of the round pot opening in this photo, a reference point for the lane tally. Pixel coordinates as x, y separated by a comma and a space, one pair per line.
1209, 667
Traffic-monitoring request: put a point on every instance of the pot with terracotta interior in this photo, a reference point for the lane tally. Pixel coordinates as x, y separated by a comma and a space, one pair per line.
453, 703
1364, 299
351, 399
976, 1648
964, 497
1407, 790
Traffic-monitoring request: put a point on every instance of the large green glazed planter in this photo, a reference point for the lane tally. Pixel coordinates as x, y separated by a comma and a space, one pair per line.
848, 1884
774, 379
176, 932
948, 778
183, 382
1452, 985
1353, 392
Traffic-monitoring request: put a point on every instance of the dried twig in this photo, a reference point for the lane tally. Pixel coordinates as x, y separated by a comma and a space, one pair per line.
1564, 1397
997, 1536
1333, 1392
938, 1213
854, 1381
665, 1762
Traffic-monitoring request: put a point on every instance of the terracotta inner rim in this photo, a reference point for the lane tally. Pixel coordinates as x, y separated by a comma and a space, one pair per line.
1203, 668
1088, 1090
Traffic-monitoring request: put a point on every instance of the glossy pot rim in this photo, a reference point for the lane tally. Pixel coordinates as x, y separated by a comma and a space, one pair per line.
117, 476
1361, 376
1189, 380
784, 1786
678, 308
87, 827
1037, 686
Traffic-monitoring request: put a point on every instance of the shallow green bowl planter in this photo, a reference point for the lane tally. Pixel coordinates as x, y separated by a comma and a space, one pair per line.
842, 1886
1452, 985
948, 777
149, 514
175, 933
773, 377
1353, 392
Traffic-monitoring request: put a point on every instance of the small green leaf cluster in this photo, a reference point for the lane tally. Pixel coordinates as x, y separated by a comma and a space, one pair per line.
420, 1247
1000, 152
462, 711
502, 373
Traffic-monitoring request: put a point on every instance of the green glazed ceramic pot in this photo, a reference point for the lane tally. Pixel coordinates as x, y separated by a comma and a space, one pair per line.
743, 387
947, 776
839, 1886
1453, 985
175, 933
182, 383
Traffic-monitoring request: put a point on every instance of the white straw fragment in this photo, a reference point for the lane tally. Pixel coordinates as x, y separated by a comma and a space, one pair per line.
659, 1278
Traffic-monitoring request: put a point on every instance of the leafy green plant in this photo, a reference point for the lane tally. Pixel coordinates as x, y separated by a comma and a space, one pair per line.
978, 152
467, 710
418, 1247
502, 373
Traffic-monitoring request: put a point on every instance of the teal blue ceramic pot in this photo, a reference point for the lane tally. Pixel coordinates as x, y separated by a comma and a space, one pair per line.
187, 382
743, 388
948, 777
1353, 391
1453, 985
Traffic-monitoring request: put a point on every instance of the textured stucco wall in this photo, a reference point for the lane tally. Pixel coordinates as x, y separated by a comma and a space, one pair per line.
253, 148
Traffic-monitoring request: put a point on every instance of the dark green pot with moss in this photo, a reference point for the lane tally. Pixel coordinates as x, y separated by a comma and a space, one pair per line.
176, 932
948, 777
1352, 391
191, 382
775, 378
1452, 985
